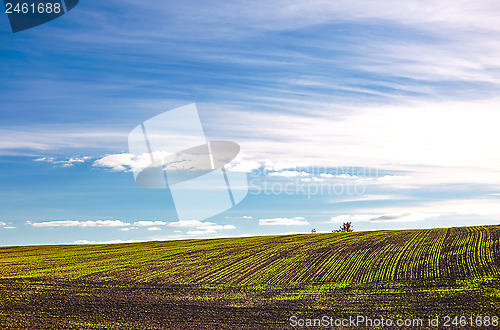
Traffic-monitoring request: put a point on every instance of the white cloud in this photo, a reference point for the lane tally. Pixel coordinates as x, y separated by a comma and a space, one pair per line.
128, 162
455, 144
198, 234
289, 14
76, 223
208, 230
68, 162
390, 178
340, 176
353, 218
346, 176
127, 228
381, 218
83, 241
244, 166
6, 225
150, 223
247, 217
368, 197
313, 179
279, 166
487, 209
296, 221
117, 162
154, 228
293, 14
42, 138
212, 226
417, 138
424, 140
202, 228
289, 174
484, 207
186, 223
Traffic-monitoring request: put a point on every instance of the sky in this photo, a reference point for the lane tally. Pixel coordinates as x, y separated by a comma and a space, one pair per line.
375, 112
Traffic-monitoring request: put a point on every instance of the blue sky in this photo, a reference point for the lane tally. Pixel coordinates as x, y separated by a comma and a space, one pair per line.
373, 112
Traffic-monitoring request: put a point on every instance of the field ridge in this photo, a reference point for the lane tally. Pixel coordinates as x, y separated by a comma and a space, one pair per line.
358, 257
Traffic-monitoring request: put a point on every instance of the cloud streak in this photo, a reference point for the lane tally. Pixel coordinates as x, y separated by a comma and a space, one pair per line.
150, 223
484, 208
381, 218
39, 138
76, 223
296, 221
202, 228
68, 162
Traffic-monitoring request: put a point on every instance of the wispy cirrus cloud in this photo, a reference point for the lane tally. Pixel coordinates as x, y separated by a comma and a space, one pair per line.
381, 218
144, 223
186, 223
286, 15
40, 138
201, 228
370, 198
296, 221
417, 211
431, 142
6, 225
77, 223
407, 88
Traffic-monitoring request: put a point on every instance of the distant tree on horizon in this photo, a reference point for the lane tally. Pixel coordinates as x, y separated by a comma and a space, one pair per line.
313, 231
345, 228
